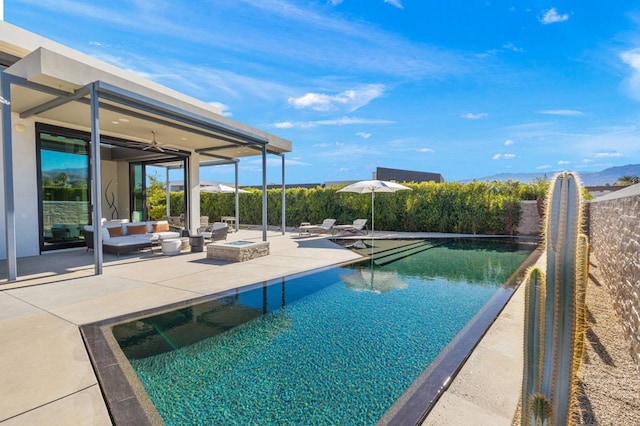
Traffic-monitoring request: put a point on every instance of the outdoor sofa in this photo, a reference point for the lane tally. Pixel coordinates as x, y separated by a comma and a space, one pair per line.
118, 238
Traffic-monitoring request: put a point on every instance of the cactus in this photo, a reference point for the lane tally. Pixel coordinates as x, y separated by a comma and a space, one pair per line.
555, 310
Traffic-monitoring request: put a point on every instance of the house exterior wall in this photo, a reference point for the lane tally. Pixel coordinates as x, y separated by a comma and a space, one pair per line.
25, 191
25, 184
110, 189
615, 243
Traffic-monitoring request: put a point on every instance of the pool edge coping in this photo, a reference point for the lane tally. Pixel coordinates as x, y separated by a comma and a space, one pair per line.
414, 406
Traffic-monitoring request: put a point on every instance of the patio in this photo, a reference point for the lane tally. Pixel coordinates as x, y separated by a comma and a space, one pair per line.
46, 372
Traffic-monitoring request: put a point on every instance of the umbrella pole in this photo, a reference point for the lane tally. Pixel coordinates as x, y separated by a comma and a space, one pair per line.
373, 220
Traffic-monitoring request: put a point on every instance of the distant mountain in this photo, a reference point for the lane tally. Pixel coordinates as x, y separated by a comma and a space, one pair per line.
606, 176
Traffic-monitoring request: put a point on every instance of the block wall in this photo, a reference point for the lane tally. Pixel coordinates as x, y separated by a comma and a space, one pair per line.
614, 227
530, 221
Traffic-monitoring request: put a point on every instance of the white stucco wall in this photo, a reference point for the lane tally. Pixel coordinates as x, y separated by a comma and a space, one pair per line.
25, 191
109, 176
123, 193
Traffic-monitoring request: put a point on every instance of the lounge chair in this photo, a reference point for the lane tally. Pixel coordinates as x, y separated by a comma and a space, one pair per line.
216, 232
324, 228
359, 226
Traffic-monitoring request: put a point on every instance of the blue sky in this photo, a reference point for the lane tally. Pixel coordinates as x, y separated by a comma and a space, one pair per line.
464, 88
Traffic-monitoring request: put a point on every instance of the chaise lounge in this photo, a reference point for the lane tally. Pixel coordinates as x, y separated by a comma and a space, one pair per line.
359, 226
324, 228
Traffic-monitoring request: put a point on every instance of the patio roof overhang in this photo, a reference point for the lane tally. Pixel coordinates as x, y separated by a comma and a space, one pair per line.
84, 93
131, 108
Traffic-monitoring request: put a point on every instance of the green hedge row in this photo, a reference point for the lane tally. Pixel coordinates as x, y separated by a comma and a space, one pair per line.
475, 207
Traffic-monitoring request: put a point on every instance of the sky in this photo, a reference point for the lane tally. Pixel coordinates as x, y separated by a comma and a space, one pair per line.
463, 88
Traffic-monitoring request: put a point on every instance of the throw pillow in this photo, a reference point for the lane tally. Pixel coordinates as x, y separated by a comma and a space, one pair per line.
116, 231
160, 227
136, 229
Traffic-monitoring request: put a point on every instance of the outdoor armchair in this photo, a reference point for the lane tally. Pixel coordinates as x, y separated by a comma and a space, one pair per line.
216, 232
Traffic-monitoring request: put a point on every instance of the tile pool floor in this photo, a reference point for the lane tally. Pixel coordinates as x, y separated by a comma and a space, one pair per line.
45, 373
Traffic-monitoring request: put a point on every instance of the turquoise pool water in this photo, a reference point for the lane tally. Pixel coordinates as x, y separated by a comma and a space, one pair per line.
335, 347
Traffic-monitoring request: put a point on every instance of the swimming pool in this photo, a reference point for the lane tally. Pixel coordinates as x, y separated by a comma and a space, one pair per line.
339, 346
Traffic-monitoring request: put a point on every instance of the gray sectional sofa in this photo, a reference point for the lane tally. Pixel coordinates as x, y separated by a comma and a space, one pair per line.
119, 237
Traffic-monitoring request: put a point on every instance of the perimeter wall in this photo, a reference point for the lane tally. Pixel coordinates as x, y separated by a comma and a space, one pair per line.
614, 228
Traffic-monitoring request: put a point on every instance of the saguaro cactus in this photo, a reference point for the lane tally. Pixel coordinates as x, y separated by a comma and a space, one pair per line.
555, 310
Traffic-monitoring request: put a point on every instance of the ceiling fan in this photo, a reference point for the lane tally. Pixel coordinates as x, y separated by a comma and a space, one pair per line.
157, 146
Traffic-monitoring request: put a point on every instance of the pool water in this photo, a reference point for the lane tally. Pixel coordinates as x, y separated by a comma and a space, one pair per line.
335, 347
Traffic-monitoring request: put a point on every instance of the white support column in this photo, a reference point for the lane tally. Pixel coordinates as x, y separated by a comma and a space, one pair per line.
96, 181
284, 199
168, 192
9, 198
237, 195
193, 178
264, 193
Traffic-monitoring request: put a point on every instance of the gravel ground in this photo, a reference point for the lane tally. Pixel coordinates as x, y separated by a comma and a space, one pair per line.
609, 379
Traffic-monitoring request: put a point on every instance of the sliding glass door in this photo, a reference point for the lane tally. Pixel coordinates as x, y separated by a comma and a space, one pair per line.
63, 180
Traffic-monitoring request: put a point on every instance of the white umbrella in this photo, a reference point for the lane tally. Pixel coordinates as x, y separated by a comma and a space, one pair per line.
220, 187
373, 186
377, 282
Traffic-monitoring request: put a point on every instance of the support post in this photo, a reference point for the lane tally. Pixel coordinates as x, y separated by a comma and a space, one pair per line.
284, 199
264, 192
237, 195
96, 181
9, 198
168, 192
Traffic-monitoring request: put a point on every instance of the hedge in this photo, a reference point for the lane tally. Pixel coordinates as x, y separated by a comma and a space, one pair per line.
475, 207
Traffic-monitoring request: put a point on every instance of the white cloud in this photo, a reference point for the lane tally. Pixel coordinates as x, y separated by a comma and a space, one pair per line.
343, 169
474, 116
551, 16
544, 167
567, 112
504, 157
512, 47
632, 82
364, 135
335, 2
563, 162
342, 121
224, 109
356, 45
395, 3
327, 145
425, 150
508, 142
350, 100
608, 154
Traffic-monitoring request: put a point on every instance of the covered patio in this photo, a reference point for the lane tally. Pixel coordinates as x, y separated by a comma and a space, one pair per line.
127, 122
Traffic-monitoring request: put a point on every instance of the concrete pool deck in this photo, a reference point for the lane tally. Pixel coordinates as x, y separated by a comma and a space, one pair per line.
45, 373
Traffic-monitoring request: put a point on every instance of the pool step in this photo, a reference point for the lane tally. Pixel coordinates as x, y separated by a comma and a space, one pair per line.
379, 252
389, 256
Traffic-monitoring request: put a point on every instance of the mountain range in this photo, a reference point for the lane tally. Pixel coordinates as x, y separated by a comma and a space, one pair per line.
603, 177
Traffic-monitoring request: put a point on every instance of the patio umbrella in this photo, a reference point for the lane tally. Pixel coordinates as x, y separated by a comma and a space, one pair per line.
373, 281
221, 187
373, 186
225, 189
